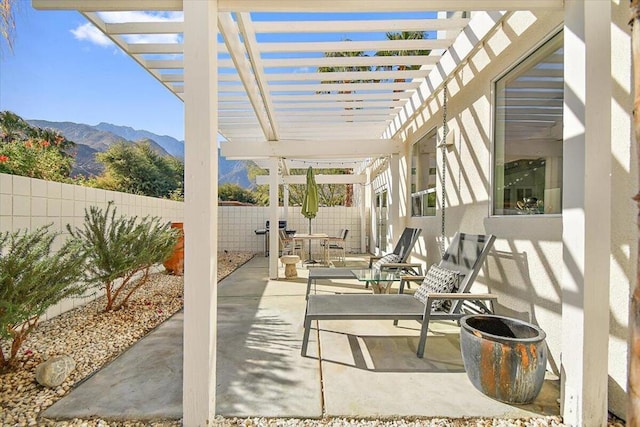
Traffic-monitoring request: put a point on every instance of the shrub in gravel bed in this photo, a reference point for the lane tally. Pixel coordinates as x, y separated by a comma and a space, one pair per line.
32, 279
118, 248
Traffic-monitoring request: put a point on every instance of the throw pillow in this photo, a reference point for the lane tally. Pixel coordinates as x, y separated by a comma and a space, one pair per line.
387, 259
437, 280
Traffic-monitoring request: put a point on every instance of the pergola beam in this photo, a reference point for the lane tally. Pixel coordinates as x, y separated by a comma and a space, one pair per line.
350, 61
348, 75
326, 87
303, 6
356, 46
384, 5
169, 48
335, 148
108, 5
320, 179
351, 26
251, 45
145, 27
230, 32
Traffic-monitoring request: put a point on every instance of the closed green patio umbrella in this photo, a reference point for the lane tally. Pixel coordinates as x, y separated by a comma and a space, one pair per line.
310, 202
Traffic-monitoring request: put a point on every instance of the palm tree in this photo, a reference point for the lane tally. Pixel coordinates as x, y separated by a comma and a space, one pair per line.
12, 126
353, 68
404, 35
7, 21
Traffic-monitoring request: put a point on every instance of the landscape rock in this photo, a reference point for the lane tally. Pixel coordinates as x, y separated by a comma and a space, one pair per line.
54, 371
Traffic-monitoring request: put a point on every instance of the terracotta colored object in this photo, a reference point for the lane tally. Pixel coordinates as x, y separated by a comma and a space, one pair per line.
175, 263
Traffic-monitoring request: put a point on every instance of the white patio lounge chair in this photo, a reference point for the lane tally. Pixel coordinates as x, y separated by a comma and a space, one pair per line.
450, 281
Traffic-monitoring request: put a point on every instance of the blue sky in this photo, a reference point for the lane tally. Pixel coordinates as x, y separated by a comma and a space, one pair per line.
63, 69
58, 71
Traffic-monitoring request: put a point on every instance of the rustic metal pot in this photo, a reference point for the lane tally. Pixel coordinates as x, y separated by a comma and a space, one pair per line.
175, 263
504, 358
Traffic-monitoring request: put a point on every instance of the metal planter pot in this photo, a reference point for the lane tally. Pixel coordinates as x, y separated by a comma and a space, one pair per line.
504, 358
175, 263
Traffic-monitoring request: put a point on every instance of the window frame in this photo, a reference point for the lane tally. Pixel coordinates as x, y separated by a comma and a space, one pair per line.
494, 116
432, 132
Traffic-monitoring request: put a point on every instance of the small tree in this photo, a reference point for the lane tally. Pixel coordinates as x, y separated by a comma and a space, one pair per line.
118, 248
138, 169
32, 279
231, 191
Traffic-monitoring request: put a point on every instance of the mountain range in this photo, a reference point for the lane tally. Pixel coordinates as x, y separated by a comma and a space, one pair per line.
91, 139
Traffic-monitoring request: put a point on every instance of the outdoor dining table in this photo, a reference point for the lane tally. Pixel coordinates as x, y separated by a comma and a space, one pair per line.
310, 237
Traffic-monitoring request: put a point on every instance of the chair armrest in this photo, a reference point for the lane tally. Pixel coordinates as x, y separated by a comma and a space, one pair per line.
410, 278
400, 265
373, 259
462, 296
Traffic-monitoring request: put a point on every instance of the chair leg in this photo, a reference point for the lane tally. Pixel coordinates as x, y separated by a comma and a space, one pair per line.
305, 337
309, 280
423, 333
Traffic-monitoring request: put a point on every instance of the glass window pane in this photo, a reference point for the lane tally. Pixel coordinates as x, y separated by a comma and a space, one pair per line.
528, 134
423, 175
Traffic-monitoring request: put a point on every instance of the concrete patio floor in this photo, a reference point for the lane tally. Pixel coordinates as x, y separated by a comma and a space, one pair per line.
360, 368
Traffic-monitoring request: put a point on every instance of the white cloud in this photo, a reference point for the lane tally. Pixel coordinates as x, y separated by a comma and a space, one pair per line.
87, 32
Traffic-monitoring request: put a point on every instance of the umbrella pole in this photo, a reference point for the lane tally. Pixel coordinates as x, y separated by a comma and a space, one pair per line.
309, 259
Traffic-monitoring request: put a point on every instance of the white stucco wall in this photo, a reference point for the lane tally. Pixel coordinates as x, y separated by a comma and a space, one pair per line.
27, 203
525, 265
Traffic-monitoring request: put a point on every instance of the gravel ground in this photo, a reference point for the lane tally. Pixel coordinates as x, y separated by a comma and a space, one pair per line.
93, 338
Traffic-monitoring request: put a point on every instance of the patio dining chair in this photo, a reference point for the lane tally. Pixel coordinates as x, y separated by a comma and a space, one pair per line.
289, 245
339, 245
441, 295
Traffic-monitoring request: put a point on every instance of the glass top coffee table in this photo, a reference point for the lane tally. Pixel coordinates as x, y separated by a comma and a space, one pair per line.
380, 281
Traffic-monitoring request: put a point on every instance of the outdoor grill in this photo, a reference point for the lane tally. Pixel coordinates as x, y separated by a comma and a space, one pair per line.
282, 225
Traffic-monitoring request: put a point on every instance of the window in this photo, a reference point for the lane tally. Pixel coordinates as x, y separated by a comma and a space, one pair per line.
423, 176
528, 134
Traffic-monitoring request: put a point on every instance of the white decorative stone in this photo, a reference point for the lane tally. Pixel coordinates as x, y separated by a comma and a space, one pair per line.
54, 371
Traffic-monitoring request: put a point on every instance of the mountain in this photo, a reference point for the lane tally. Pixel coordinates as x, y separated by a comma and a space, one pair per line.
170, 144
233, 171
89, 141
80, 133
94, 139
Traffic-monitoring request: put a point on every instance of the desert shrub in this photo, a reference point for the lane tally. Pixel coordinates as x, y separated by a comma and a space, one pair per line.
32, 279
118, 247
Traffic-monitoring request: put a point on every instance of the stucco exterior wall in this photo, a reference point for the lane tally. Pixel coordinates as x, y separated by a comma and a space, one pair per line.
27, 203
525, 266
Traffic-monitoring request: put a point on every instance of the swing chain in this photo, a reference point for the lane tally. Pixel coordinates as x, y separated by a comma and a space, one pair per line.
445, 131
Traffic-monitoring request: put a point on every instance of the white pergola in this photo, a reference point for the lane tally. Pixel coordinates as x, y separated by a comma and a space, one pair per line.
249, 70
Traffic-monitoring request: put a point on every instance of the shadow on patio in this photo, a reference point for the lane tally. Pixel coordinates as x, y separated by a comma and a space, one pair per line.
365, 368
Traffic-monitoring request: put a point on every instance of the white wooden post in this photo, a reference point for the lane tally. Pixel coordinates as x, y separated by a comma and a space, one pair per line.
393, 199
200, 211
586, 211
274, 238
364, 226
285, 204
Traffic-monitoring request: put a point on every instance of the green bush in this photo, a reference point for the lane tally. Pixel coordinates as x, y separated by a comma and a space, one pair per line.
118, 247
32, 279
